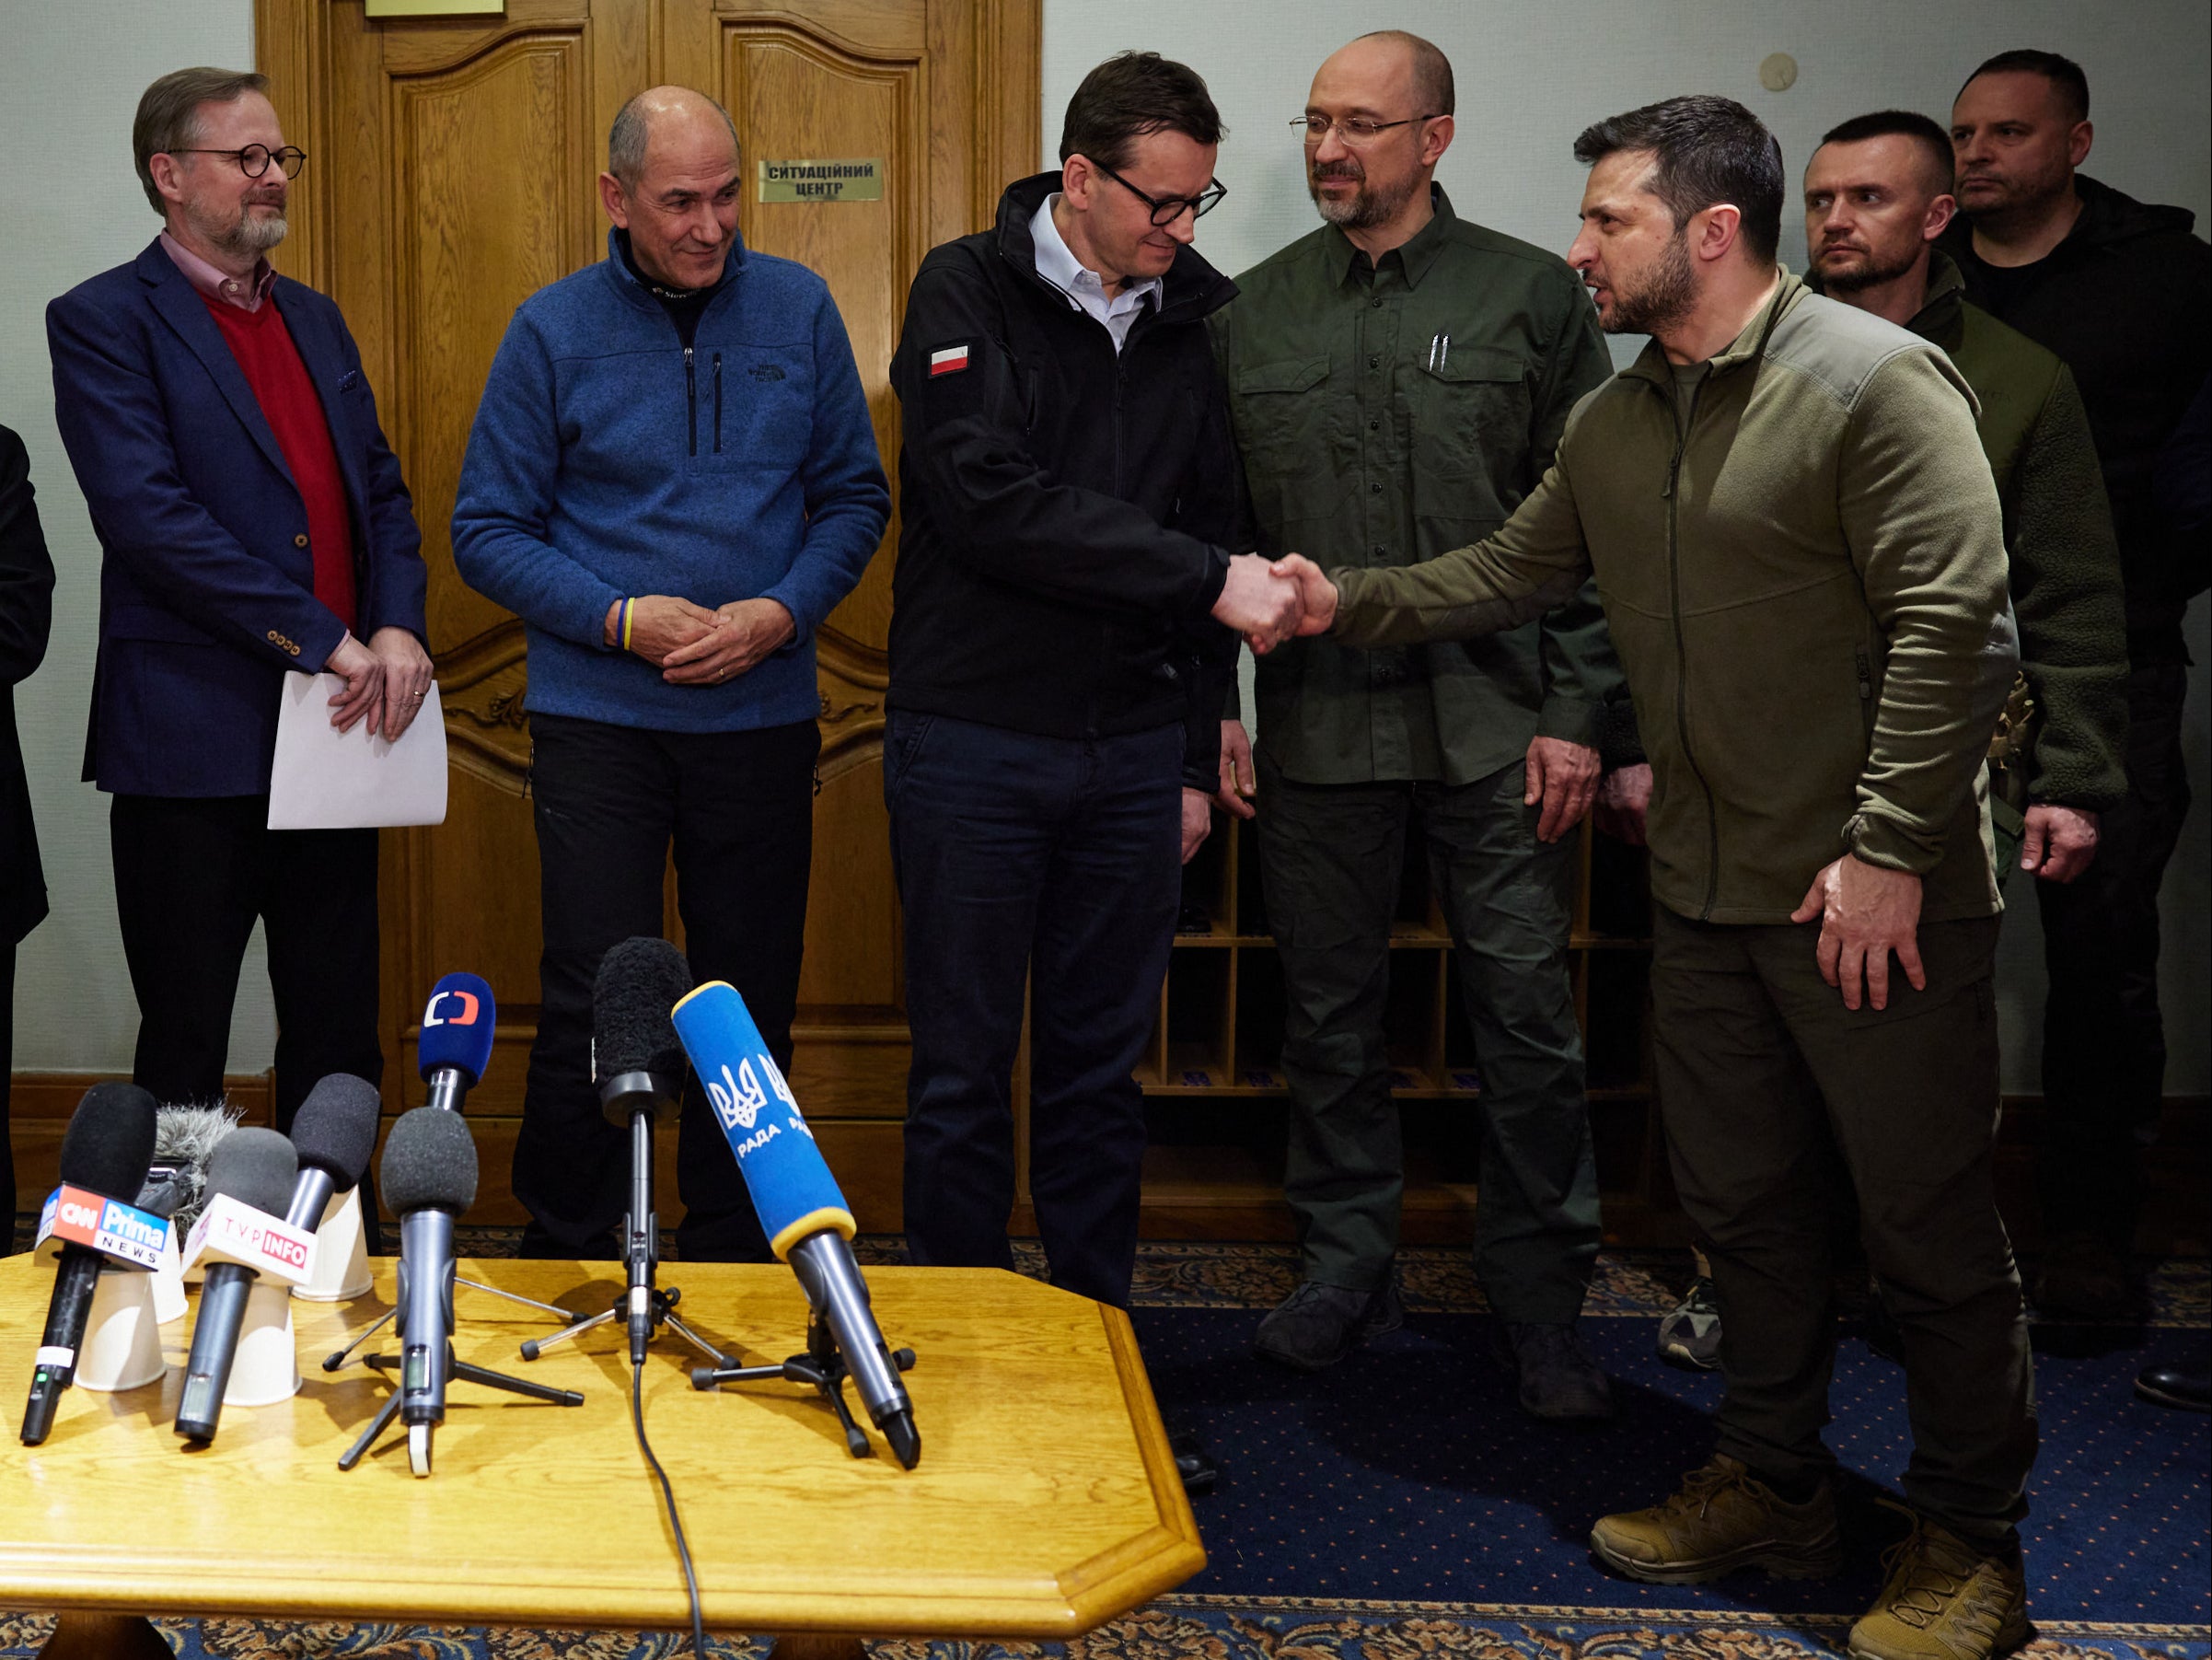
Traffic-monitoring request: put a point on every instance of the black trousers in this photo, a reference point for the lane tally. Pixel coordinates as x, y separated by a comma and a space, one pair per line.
192, 874
609, 802
1766, 1082
2104, 1043
7, 1057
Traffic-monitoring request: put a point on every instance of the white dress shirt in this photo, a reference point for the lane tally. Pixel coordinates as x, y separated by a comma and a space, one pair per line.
1059, 266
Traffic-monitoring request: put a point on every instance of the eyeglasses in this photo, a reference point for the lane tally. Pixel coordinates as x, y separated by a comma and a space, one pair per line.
254, 159
1354, 129
1167, 210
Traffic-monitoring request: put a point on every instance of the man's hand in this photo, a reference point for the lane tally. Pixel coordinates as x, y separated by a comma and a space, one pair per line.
1198, 821
1258, 604
1563, 776
363, 693
745, 631
1316, 594
2060, 843
1237, 785
1624, 798
407, 673
1866, 911
659, 623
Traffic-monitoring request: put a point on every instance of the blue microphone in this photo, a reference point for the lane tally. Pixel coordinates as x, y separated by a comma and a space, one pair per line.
801, 1211
456, 1046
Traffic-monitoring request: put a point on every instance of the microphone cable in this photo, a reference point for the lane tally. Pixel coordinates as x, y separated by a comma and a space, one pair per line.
683, 1550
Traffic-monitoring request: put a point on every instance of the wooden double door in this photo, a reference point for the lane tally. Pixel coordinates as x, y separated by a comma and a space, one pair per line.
452, 174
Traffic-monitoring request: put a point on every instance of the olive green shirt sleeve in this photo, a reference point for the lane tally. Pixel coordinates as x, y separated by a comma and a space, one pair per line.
1919, 513
2068, 598
1536, 559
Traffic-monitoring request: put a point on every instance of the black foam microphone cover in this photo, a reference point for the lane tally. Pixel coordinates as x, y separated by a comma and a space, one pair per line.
255, 1167
336, 1128
429, 1163
109, 1141
640, 980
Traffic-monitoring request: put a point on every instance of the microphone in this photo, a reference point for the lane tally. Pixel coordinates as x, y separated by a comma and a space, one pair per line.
801, 1210
333, 1135
429, 1175
257, 1169
638, 1063
106, 1150
456, 1046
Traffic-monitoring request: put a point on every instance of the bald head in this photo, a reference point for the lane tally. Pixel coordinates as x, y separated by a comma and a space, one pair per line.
1418, 67
668, 118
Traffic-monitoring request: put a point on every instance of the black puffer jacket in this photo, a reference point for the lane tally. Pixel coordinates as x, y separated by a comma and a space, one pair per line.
1065, 512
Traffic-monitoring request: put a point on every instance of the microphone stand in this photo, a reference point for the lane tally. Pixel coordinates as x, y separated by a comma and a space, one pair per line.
645, 1305
822, 1367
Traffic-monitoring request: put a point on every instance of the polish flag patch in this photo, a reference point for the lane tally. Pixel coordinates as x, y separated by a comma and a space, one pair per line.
948, 360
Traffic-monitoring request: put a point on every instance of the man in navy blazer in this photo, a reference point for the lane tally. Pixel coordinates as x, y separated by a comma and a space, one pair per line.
251, 520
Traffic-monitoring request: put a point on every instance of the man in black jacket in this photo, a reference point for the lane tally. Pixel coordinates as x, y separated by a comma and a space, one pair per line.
25, 612
2122, 292
1058, 665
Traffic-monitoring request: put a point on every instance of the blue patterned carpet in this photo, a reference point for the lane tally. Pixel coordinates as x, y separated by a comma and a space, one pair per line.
1400, 1507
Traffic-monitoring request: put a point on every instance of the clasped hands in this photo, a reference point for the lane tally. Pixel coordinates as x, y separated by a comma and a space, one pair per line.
1269, 601
694, 647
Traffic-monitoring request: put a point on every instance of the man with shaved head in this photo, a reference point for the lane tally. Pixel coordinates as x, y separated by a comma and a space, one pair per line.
672, 480
1398, 379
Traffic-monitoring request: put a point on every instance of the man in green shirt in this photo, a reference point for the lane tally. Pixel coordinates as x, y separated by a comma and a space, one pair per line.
1801, 560
1397, 380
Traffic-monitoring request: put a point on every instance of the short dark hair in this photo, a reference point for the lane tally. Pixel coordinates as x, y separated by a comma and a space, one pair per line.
1431, 70
2062, 73
169, 116
1901, 123
1708, 150
1130, 95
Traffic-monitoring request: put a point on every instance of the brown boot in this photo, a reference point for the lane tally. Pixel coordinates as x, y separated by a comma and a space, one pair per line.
1724, 1518
1946, 1599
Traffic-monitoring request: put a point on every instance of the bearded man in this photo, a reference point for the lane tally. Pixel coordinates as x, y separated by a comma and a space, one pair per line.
1398, 379
251, 520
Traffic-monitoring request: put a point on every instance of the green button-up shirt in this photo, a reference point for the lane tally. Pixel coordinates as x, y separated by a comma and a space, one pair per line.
1388, 413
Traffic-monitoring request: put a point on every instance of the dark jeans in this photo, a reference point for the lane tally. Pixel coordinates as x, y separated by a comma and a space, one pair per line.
2104, 1044
1331, 857
1055, 859
608, 801
1766, 1081
191, 875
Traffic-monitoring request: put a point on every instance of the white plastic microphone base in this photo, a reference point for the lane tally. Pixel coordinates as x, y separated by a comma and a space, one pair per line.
123, 1333
341, 1270
267, 1368
169, 1301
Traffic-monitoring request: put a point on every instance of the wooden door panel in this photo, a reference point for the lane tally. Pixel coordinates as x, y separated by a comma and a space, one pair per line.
454, 174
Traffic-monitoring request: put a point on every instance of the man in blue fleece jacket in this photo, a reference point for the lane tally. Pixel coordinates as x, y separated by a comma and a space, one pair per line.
672, 480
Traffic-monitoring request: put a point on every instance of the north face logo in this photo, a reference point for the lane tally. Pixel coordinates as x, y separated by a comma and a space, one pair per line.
767, 371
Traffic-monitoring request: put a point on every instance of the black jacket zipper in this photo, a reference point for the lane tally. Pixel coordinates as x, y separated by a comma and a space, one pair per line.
718, 403
692, 398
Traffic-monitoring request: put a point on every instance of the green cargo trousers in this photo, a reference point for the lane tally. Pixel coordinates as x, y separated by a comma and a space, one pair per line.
1331, 859
1765, 1080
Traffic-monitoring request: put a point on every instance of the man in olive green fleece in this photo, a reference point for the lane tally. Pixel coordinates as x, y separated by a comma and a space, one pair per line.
1398, 379
1878, 192
1800, 549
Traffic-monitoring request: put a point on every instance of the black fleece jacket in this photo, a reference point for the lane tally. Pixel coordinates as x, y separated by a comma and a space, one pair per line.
2126, 300
1065, 512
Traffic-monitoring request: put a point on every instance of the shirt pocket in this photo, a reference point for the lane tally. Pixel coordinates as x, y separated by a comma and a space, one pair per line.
1470, 410
756, 407
1281, 417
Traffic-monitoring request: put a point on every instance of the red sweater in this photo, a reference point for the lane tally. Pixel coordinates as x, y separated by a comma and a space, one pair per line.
270, 363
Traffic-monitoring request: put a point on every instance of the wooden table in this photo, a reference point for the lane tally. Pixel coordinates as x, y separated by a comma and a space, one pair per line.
1046, 1499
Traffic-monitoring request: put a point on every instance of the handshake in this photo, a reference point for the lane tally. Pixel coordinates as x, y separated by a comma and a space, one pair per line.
1268, 602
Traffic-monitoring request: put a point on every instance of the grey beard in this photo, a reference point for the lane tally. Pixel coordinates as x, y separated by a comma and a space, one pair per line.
1666, 298
245, 236
1872, 274
1367, 208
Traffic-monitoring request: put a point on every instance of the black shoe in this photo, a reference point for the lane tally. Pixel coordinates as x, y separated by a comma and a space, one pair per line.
1559, 1379
2086, 1279
1193, 1462
1316, 1325
2172, 1387
1689, 1334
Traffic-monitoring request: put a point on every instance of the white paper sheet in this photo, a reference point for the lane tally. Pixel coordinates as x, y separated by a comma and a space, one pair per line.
325, 779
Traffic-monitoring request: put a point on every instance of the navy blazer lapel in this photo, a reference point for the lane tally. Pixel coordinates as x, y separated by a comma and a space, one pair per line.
325, 368
181, 307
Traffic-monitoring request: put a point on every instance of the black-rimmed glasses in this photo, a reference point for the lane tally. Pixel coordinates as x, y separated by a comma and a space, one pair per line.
1354, 129
1167, 210
254, 159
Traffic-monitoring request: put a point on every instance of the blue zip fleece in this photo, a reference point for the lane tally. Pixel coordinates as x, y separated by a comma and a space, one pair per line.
609, 461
